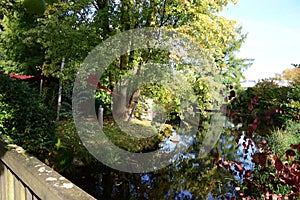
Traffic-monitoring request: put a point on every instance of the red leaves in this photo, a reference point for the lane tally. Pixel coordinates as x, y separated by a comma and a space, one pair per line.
270, 174
249, 143
250, 107
296, 146
232, 94
253, 103
264, 142
287, 174
278, 164
254, 125
254, 100
260, 158
248, 173
226, 164
238, 137
289, 153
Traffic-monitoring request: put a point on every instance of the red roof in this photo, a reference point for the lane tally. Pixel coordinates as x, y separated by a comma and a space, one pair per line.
30, 78
92, 80
22, 77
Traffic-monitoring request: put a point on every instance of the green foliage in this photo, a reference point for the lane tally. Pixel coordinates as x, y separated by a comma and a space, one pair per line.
207, 93
18, 43
265, 107
50, 2
271, 177
24, 119
103, 98
36, 7
270, 112
67, 29
271, 183
292, 75
162, 97
63, 34
37, 43
69, 151
281, 140
127, 139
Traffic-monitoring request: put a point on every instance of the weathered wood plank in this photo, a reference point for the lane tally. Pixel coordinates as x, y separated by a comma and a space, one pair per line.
1, 181
10, 185
5, 186
28, 194
19, 189
35, 198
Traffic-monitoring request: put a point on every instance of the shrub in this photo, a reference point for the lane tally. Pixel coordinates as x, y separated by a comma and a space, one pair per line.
280, 140
24, 119
265, 107
272, 111
69, 151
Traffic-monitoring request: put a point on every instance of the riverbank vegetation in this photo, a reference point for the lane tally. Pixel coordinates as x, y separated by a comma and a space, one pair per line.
49, 44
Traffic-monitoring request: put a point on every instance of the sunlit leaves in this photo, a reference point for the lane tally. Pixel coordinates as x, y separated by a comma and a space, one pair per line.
292, 75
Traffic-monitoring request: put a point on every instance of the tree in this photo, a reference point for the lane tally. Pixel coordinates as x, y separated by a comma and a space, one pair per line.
24, 119
36, 44
21, 53
264, 108
218, 36
292, 75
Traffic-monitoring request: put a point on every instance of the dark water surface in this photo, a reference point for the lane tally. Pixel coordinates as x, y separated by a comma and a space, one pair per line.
188, 177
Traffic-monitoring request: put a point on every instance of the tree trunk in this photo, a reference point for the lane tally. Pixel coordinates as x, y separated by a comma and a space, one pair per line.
120, 109
120, 104
133, 103
60, 90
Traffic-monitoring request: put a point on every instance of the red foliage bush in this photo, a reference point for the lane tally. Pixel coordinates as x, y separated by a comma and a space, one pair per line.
271, 177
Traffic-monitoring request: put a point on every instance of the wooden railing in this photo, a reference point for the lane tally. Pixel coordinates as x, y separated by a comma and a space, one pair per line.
23, 177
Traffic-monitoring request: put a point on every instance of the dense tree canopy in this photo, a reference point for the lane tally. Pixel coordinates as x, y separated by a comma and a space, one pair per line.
71, 29
37, 42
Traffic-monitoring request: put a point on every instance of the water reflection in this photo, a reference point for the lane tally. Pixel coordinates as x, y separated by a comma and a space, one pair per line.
188, 178
181, 141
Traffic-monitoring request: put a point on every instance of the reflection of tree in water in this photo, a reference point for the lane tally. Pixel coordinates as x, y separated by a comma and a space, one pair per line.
188, 178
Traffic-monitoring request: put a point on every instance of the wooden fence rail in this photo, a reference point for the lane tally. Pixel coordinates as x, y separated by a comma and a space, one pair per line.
23, 177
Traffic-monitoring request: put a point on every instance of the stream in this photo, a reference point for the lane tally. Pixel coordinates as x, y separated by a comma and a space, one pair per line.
187, 178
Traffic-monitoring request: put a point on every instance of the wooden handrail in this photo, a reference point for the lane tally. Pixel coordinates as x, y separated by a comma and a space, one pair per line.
23, 176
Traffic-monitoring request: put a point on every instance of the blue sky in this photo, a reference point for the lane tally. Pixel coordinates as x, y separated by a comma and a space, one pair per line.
273, 28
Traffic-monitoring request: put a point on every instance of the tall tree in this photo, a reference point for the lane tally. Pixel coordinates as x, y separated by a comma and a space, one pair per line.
35, 43
18, 43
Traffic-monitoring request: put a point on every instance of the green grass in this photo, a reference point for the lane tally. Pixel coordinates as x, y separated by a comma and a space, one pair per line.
281, 139
134, 136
